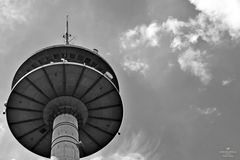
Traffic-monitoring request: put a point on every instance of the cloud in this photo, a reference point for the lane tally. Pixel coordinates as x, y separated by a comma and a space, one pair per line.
183, 34
135, 147
117, 156
214, 20
140, 35
186, 34
226, 13
14, 12
209, 114
97, 158
131, 156
193, 62
135, 65
226, 82
174, 27
206, 111
214, 23
2, 131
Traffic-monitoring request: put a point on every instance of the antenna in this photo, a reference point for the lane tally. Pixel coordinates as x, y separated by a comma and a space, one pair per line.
67, 35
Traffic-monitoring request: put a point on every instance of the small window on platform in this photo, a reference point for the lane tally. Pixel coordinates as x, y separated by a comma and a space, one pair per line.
72, 55
94, 64
64, 55
99, 68
80, 58
41, 61
56, 56
87, 61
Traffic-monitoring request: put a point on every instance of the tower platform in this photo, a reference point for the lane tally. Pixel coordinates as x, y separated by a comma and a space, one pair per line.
64, 80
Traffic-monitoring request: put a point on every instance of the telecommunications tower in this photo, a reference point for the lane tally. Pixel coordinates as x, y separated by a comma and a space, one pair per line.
64, 102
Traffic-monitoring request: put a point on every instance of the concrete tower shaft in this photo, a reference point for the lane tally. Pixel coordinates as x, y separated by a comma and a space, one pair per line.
65, 138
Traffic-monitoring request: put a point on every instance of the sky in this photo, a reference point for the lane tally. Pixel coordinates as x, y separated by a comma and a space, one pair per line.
177, 62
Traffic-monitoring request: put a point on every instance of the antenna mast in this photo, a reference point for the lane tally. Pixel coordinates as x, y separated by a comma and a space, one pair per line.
66, 35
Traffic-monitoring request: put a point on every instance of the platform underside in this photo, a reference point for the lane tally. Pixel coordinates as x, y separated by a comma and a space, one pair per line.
36, 89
